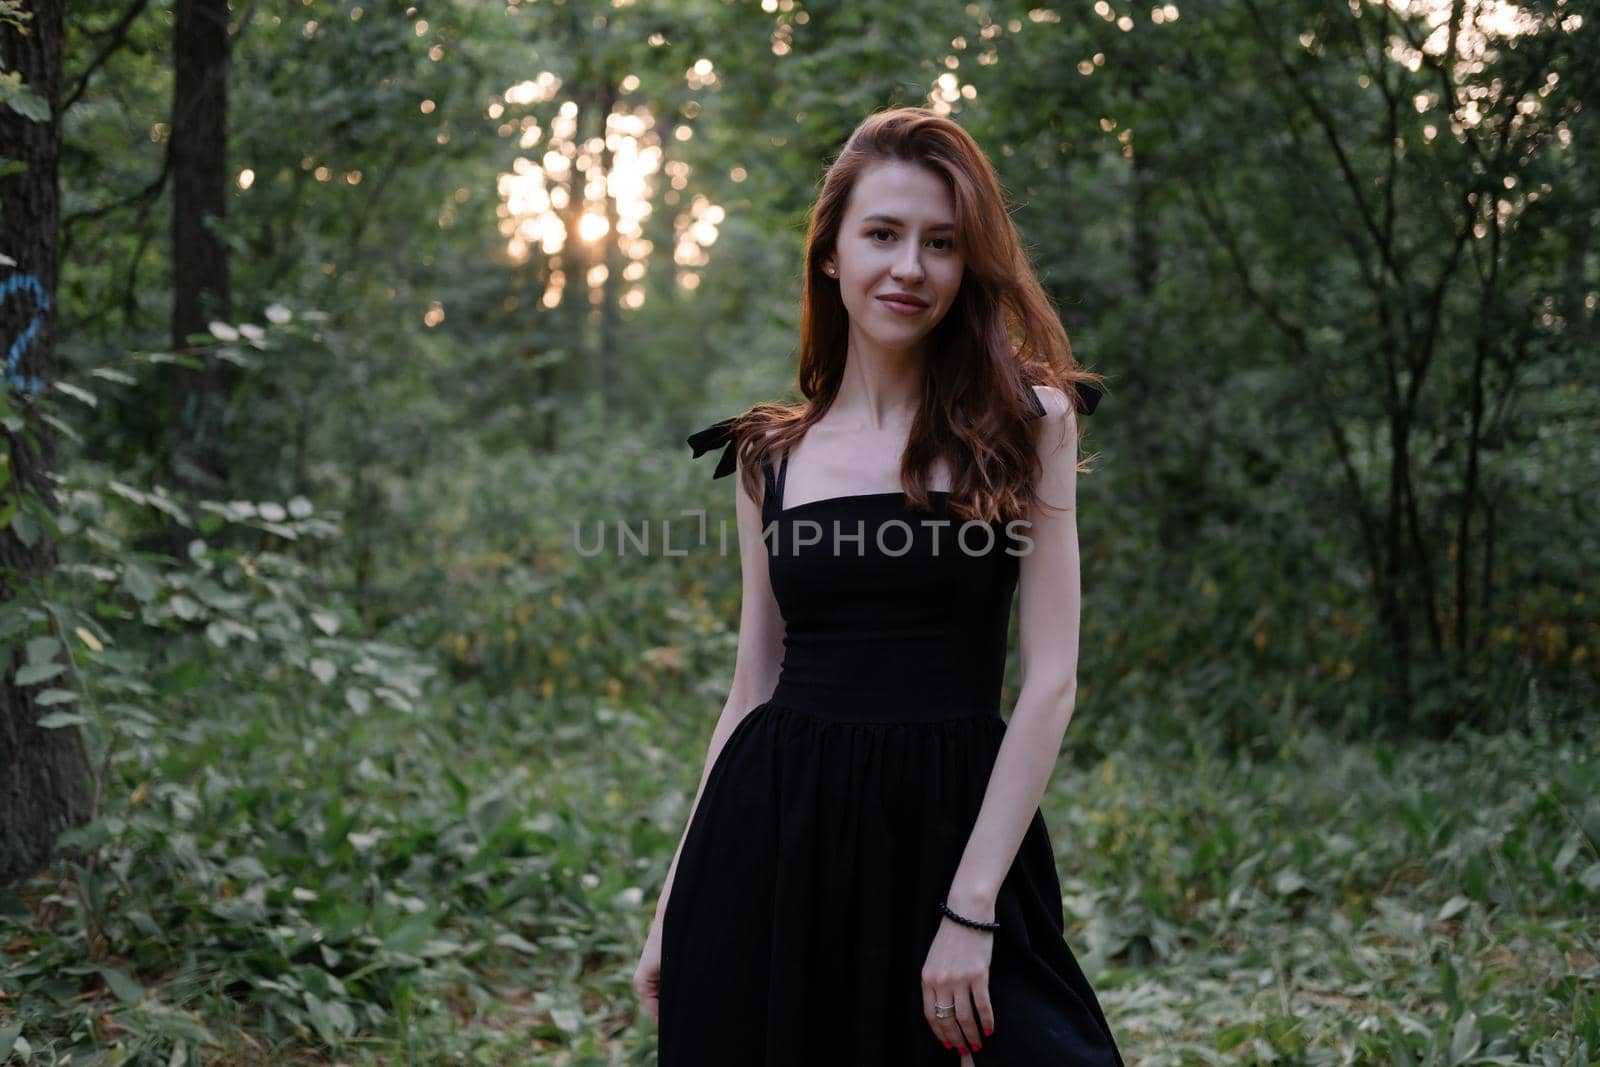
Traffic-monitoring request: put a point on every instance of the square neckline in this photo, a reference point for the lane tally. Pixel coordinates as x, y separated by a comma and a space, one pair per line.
775, 491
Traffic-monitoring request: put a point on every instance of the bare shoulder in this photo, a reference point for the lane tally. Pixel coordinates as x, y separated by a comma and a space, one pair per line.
1054, 400
1058, 424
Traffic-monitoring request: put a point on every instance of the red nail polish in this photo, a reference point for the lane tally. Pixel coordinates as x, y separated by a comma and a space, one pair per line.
947, 1044
988, 1031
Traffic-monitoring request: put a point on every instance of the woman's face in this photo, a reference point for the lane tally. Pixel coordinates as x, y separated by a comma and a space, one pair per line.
898, 237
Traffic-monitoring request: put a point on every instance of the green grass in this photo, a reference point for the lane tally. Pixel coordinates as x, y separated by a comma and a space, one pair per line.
470, 883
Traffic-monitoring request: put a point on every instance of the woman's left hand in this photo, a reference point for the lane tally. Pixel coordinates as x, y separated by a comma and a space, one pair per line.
957, 971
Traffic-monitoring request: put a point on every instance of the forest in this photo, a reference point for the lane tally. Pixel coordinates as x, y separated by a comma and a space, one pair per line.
334, 328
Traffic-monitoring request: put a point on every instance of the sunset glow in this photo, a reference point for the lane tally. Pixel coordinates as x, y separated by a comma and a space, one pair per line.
538, 194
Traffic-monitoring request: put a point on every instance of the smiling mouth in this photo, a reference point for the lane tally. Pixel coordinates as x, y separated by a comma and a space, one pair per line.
907, 304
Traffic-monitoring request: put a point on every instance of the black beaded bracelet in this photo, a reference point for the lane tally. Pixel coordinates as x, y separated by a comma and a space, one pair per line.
964, 921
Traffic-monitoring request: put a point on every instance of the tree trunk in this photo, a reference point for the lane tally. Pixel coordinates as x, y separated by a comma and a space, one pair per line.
611, 386
201, 292
44, 773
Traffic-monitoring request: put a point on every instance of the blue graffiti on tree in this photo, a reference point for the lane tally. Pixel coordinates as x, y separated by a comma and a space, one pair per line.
14, 376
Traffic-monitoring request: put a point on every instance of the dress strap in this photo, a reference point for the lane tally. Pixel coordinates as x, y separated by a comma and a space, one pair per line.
772, 500
720, 435
769, 494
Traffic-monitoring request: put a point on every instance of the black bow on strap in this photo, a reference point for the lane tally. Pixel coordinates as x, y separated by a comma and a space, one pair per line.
718, 433
1089, 394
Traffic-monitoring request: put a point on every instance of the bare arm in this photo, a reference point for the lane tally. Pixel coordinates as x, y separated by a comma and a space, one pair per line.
1049, 582
756, 662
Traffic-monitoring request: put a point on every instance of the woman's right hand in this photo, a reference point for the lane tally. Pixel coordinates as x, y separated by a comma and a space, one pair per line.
647, 976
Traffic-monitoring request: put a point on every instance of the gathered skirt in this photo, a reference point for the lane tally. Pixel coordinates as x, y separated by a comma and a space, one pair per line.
807, 896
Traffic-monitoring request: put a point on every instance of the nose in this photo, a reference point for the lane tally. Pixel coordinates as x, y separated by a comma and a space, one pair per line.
908, 266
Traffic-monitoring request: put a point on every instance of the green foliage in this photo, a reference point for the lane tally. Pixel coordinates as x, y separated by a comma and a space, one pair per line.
19, 98
308, 835
440, 841
388, 770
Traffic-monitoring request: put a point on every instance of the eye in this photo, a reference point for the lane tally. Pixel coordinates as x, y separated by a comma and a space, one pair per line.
874, 233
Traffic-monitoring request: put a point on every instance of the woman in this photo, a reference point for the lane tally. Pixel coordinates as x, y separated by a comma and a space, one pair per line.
866, 878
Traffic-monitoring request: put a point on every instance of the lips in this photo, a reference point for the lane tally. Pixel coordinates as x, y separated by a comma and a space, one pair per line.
908, 303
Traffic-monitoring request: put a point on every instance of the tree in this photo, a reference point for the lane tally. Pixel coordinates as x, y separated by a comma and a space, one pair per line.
44, 772
200, 53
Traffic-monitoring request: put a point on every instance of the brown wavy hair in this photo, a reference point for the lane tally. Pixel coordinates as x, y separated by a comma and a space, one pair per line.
1001, 335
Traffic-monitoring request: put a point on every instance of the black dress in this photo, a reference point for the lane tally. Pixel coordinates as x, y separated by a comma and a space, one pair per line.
831, 824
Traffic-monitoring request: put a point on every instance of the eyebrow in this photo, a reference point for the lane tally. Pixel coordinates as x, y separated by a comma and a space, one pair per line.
891, 220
